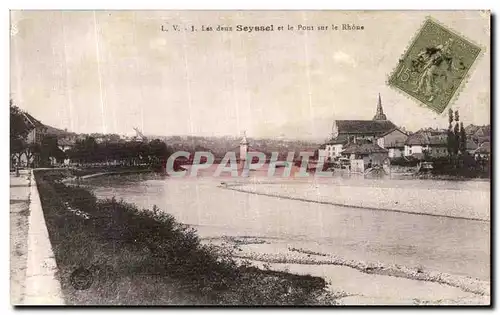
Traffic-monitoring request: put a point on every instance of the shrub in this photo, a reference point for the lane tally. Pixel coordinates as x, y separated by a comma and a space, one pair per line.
409, 161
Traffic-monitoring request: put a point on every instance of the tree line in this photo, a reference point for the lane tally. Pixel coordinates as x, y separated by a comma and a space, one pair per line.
154, 152
38, 152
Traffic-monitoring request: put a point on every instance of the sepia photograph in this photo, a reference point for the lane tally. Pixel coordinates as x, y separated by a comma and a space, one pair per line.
250, 158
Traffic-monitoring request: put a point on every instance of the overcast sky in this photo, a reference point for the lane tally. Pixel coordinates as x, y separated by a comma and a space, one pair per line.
112, 71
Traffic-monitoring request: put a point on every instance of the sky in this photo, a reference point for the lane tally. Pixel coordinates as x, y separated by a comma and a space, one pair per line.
110, 71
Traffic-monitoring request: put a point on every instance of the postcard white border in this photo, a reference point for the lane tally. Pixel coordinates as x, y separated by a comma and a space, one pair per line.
494, 5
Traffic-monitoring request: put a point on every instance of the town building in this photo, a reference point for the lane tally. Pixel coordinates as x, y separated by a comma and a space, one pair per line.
478, 134
333, 148
37, 129
483, 151
37, 132
365, 155
471, 146
427, 142
345, 132
394, 141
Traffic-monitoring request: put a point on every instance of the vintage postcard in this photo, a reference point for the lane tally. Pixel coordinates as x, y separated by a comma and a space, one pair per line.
250, 158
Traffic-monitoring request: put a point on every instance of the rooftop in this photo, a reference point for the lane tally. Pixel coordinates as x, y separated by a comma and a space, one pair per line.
340, 139
31, 121
375, 127
364, 148
395, 144
471, 145
484, 148
66, 142
392, 130
427, 138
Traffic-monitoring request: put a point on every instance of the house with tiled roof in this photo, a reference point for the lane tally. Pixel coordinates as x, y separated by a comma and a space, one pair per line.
345, 132
334, 147
483, 131
471, 129
364, 155
394, 141
362, 128
483, 151
430, 142
37, 130
471, 146
482, 135
478, 134
66, 143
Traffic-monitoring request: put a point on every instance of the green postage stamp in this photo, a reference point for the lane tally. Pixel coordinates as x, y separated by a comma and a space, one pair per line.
435, 65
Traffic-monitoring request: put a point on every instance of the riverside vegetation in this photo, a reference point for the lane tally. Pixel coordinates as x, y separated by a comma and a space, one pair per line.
136, 257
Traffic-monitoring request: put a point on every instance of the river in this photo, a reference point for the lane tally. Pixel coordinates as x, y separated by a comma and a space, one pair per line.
457, 244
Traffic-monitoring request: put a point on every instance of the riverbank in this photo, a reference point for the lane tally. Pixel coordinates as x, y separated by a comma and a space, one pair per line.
112, 253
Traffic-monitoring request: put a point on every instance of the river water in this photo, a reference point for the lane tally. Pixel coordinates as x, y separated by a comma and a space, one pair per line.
458, 244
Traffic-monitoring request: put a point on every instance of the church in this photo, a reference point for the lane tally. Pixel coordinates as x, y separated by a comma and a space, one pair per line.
347, 132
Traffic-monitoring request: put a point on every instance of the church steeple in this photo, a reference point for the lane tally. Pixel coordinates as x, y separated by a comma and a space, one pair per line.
380, 112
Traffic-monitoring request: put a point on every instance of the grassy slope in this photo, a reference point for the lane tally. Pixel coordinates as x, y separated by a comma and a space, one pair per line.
146, 257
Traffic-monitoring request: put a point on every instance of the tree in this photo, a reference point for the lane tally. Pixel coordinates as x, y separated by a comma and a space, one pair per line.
463, 139
159, 150
450, 143
88, 149
17, 148
84, 151
18, 128
456, 134
18, 131
31, 150
50, 149
130, 153
455, 139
